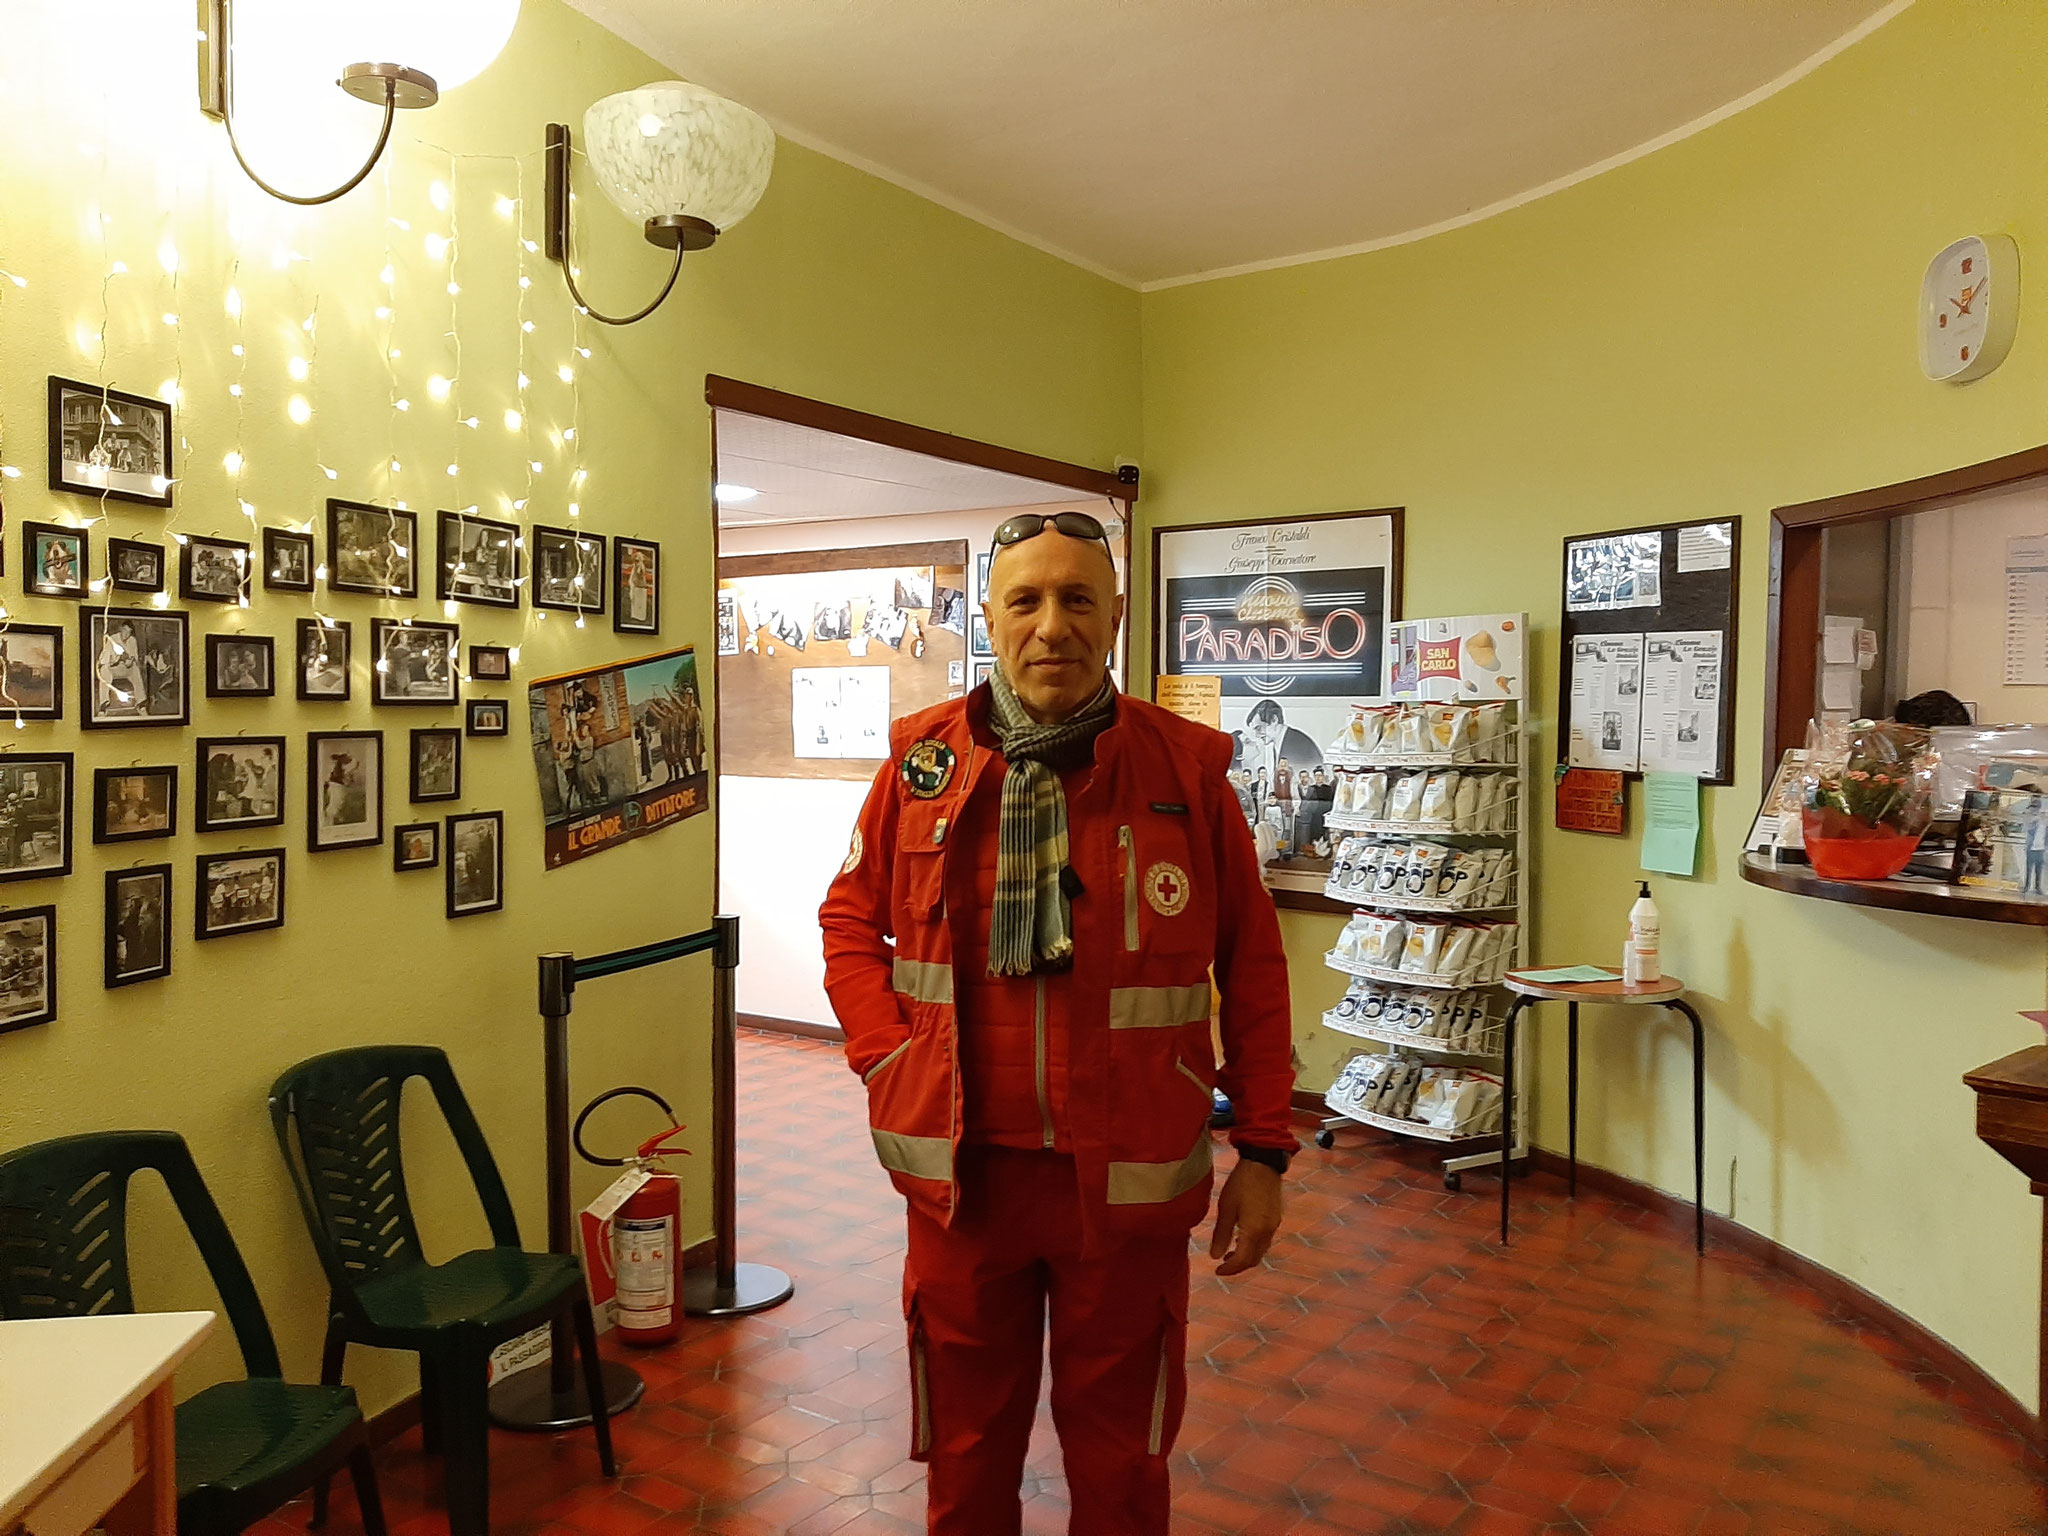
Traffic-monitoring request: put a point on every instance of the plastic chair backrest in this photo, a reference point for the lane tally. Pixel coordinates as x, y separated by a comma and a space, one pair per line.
337, 1121
64, 1232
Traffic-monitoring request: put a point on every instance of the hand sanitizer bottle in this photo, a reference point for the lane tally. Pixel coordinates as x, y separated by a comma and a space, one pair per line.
1639, 963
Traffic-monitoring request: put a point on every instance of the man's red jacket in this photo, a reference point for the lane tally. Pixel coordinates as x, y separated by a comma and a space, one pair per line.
1169, 893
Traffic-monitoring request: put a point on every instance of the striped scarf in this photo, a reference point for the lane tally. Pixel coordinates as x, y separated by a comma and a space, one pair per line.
1032, 927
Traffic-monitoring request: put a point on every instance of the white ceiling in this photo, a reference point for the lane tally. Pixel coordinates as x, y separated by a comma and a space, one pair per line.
1159, 140
805, 475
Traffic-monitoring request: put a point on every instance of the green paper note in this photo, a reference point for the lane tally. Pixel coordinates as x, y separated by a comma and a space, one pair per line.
1565, 973
1671, 822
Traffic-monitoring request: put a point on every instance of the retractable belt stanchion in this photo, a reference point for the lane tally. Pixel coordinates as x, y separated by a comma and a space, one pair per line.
554, 1398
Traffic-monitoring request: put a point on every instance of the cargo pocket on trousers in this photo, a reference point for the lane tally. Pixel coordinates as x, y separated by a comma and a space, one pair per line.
1170, 1389
920, 1381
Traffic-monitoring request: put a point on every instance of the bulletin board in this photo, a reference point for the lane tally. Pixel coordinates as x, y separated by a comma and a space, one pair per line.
818, 650
1647, 658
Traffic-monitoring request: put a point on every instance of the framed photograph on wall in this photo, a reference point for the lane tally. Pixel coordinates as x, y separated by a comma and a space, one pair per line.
28, 967
241, 782
476, 863
479, 560
213, 570
489, 717
416, 845
977, 634
107, 442
132, 804
636, 586
135, 669
568, 570
32, 672
54, 560
138, 924
414, 663
35, 815
437, 763
323, 659
373, 550
240, 667
238, 893
344, 789
490, 663
287, 560
134, 565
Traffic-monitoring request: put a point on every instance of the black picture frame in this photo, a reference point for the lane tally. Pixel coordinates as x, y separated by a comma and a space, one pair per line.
288, 562
231, 770
351, 564
490, 663
31, 811
977, 634
76, 408
200, 562
386, 687
135, 565
405, 854
108, 782
423, 791
494, 590
110, 677
32, 671
214, 870
36, 539
465, 905
222, 650
125, 940
552, 580
622, 622
320, 778
476, 721
36, 926
320, 642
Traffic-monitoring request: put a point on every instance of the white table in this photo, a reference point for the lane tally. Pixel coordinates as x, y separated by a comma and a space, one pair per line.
86, 1421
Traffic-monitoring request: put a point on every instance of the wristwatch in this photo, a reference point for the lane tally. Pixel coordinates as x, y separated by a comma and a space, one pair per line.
1268, 1157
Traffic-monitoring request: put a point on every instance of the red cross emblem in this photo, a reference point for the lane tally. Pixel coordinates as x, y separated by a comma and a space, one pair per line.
1167, 889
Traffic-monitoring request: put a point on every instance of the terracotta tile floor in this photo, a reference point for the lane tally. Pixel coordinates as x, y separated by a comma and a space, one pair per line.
1391, 1371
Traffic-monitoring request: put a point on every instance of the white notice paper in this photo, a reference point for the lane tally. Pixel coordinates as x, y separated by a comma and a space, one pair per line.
1838, 640
1706, 547
1606, 711
1838, 688
2026, 609
1682, 702
839, 711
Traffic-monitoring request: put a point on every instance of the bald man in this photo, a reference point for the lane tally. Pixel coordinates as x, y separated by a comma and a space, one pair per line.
1020, 948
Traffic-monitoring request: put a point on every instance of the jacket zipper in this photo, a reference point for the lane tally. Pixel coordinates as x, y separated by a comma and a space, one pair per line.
1038, 1048
1130, 857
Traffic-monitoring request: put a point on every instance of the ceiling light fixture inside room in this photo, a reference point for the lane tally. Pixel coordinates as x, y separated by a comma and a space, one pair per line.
685, 162
734, 492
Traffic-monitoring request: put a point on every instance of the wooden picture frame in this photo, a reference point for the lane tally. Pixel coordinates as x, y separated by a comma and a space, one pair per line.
333, 773
212, 570
322, 660
470, 890
149, 814
363, 541
436, 763
416, 663
636, 575
28, 959
490, 663
488, 717
35, 815
478, 560
239, 782
135, 668
135, 565
71, 551
137, 939
560, 557
32, 671
416, 845
240, 892
288, 563
240, 666
131, 432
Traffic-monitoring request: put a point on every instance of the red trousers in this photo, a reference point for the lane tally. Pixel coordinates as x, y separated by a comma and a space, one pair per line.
977, 1297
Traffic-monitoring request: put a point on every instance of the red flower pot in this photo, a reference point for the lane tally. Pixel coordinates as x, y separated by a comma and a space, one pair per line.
1845, 848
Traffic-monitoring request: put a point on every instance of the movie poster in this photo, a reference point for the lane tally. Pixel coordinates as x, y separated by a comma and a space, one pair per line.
1291, 618
620, 751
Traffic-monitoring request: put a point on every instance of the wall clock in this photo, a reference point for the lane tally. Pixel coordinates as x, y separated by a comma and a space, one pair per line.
1969, 307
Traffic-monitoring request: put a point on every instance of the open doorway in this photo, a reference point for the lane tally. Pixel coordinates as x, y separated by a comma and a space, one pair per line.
852, 561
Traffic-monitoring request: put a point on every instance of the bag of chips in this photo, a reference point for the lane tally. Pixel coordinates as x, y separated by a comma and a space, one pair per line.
1465, 810
1404, 796
1439, 798
1425, 865
1419, 953
1490, 742
1369, 797
1382, 941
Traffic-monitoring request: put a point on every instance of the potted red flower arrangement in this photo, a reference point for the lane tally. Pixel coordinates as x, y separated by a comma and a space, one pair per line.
1869, 797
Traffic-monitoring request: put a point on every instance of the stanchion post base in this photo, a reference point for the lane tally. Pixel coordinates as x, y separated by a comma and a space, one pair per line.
527, 1399
756, 1288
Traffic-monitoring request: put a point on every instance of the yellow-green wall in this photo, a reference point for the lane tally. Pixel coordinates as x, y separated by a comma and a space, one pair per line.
838, 286
1722, 327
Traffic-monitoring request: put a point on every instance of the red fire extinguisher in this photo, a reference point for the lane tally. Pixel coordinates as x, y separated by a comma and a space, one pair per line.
645, 1232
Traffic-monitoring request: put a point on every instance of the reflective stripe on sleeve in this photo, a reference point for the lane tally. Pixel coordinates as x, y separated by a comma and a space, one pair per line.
1157, 1183
921, 1157
1151, 1007
924, 981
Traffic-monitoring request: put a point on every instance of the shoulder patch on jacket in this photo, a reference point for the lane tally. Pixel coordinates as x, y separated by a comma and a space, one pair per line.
1167, 889
853, 854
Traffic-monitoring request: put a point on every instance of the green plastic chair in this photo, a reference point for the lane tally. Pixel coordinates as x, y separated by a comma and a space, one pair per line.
244, 1447
337, 1119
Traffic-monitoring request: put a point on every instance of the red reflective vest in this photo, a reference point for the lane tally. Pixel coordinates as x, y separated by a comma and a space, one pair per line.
1170, 892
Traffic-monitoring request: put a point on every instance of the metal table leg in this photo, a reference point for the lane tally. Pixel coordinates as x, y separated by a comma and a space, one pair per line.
1699, 1123
1507, 1108
1572, 1175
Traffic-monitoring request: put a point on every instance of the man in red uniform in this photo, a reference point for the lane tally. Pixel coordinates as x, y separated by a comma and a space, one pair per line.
1061, 869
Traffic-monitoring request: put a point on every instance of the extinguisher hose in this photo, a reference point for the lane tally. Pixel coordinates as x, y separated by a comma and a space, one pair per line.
576, 1134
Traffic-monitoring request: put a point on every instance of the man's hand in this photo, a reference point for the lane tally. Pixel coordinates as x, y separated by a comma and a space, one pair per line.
1247, 1215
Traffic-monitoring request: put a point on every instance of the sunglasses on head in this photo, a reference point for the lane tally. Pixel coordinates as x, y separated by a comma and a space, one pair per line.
1029, 525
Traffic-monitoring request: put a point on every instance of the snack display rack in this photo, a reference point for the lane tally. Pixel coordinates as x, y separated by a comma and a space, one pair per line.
1439, 662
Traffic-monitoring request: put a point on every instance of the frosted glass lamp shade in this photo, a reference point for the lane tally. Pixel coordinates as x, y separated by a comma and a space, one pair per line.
676, 149
452, 40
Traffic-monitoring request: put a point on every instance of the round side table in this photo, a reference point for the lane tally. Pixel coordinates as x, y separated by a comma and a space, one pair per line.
1669, 992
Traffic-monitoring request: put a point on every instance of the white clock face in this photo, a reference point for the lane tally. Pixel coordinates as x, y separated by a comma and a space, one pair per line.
1967, 306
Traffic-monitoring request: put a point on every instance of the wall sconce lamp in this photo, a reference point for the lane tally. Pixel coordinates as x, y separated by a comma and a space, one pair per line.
447, 44
687, 163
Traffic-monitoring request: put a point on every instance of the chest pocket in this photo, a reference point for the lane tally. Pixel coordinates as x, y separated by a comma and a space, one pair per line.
1163, 880
923, 828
